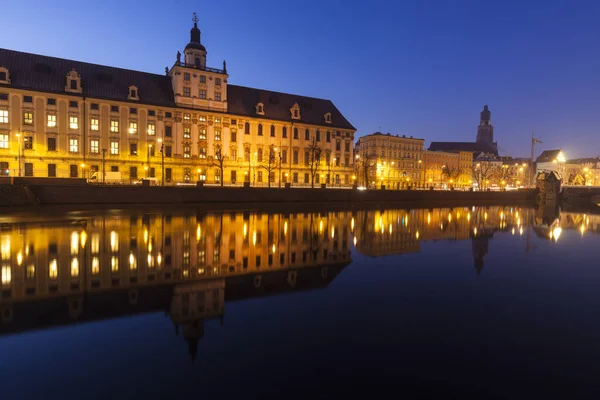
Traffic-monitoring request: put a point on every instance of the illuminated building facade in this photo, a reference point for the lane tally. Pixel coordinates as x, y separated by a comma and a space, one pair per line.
396, 161
448, 168
64, 118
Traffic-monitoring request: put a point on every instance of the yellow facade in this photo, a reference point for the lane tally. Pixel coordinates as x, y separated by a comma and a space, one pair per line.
394, 161
173, 136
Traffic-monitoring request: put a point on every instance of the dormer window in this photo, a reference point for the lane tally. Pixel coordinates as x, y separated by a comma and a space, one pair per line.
73, 82
133, 93
295, 110
328, 118
4, 76
260, 109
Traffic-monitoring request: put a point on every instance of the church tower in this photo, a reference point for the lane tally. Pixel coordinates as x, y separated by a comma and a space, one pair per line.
194, 84
485, 131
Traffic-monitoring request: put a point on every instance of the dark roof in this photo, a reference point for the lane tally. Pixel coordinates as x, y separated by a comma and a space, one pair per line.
473, 147
48, 74
394, 135
548, 156
243, 100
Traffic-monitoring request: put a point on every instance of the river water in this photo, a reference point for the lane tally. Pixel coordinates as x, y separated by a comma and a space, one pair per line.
478, 302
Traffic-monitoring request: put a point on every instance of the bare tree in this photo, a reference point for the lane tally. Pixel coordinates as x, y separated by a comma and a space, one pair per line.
219, 160
271, 163
505, 173
482, 173
365, 166
451, 173
314, 161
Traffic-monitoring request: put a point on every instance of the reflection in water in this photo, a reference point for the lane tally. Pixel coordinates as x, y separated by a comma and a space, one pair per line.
189, 265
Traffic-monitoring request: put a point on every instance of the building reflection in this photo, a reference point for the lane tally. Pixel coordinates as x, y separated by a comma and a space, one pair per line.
400, 231
188, 265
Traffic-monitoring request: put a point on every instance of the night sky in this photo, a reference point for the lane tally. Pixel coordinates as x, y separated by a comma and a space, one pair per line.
421, 68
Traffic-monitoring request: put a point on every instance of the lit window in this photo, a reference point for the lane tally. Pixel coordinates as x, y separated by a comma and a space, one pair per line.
30, 271
6, 275
73, 145
202, 118
114, 126
202, 154
3, 116
28, 117
217, 135
3, 141
151, 129
53, 269
133, 127
187, 132
202, 94
186, 92
74, 122
202, 134
74, 267
51, 123
94, 124
187, 151
186, 117
114, 147
114, 264
217, 96
217, 120
95, 265
94, 146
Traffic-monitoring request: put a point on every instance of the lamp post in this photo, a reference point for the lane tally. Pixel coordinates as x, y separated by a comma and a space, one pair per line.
19, 154
103, 165
150, 147
162, 155
83, 170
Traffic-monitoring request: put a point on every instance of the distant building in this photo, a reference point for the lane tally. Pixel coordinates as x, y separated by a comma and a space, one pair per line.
483, 144
447, 168
395, 161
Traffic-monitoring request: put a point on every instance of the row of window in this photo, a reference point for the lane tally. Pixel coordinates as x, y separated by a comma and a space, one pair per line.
74, 170
187, 92
187, 78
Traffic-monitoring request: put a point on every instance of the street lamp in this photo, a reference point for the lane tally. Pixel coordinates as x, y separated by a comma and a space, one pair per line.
19, 137
162, 155
150, 146
83, 170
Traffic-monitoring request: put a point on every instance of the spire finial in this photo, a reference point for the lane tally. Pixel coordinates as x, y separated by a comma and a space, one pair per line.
195, 19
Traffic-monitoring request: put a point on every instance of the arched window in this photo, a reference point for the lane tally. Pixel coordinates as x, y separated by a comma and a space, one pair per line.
306, 134
73, 84
259, 155
197, 61
260, 129
295, 133
247, 128
272, 130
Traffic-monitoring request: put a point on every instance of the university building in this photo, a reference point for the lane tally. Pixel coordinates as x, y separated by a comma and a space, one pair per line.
65, 118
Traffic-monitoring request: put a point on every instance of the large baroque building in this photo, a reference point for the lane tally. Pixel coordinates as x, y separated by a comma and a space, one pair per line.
390, 160
64, 118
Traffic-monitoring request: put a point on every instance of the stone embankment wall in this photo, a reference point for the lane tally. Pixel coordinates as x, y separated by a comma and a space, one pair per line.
122, 195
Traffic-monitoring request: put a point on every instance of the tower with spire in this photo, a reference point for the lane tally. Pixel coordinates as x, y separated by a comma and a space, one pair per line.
194, 84
485, 131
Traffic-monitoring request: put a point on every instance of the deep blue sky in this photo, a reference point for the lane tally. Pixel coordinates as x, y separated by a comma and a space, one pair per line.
421, 68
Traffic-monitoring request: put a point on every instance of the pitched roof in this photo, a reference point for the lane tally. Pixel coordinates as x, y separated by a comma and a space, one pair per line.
242, 100
474, 147
48, 74
548, 156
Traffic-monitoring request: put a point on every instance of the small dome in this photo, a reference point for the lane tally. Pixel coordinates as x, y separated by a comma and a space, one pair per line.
195, 46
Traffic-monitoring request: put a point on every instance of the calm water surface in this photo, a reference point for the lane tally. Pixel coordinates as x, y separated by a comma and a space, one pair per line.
443, 303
